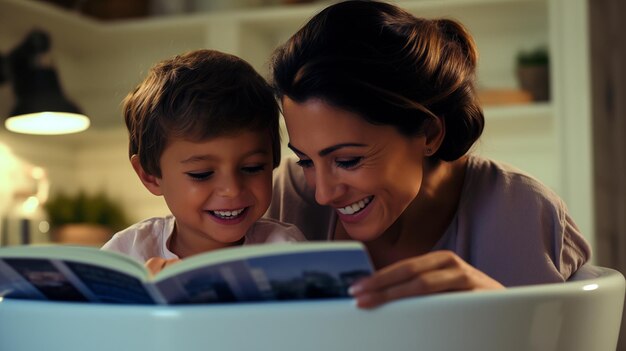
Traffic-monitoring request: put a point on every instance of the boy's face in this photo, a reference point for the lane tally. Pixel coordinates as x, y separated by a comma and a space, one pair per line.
217, 188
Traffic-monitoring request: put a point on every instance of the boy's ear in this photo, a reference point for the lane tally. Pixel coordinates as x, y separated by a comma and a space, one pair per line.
149, 181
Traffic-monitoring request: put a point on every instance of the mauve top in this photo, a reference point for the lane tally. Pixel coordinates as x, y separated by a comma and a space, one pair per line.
508, 224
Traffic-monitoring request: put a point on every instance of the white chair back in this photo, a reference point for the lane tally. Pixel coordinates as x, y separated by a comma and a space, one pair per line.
583, 314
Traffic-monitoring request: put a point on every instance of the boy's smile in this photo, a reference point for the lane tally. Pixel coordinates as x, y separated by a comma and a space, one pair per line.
229, 217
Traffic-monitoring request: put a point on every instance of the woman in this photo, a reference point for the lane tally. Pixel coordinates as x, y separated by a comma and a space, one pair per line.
381, 110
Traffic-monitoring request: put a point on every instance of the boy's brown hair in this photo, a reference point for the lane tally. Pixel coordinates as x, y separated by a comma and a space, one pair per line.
197, 96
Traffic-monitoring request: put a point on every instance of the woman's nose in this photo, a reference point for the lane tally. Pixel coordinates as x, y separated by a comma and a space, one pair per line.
327, 189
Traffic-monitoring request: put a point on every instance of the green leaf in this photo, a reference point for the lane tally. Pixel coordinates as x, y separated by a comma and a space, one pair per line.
536, 57
85, 208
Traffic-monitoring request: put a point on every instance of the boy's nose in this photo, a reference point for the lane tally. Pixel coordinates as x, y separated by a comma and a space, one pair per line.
229, 186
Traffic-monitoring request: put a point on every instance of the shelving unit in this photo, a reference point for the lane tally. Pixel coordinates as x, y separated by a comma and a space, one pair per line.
100, 62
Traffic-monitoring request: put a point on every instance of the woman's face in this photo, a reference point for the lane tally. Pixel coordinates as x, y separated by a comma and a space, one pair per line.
368, 173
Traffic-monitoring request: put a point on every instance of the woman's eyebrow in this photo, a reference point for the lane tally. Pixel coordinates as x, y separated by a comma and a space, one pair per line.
327, 150
294, 149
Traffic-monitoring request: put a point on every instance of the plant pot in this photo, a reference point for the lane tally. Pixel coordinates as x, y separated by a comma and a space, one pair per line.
82, 234
535, 80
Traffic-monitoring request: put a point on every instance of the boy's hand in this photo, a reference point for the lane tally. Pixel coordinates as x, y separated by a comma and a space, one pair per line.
156, 264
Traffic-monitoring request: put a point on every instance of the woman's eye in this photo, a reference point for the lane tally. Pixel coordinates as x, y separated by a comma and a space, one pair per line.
200, 175
348, 163
253, 169
305, 163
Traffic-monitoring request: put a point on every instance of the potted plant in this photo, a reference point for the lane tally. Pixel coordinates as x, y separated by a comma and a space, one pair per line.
533, 72
83, 218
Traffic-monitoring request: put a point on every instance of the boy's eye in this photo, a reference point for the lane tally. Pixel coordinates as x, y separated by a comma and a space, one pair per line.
304, 163
348, 163
200, 175
253, 169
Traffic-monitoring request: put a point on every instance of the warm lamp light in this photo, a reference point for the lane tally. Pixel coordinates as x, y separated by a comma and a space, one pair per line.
41, 106
47, 123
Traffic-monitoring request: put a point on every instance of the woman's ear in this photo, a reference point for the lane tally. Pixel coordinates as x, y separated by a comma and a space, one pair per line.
434, 130
149, 181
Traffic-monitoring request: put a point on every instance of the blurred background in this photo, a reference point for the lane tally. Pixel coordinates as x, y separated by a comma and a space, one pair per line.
551, 78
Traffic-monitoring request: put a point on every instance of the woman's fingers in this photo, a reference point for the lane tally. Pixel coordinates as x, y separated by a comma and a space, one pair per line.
435, 272
403, 271
427, 283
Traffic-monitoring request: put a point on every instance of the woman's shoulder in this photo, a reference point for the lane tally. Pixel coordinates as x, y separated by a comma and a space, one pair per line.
488, 177
510, 215
508, 196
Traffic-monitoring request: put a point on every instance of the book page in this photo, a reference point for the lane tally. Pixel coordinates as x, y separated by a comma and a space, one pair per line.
72, 273
257, 250
110, 286
86, 254
13, 284
310, 275
223, 283
70, 281
301, 275
44, 277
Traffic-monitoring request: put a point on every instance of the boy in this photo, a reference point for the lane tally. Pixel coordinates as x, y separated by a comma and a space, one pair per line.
203, 130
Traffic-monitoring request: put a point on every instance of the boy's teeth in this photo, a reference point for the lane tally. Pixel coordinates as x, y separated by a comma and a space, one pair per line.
228, 214
355, 207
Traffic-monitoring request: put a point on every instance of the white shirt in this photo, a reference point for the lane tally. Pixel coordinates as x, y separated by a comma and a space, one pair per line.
149, 238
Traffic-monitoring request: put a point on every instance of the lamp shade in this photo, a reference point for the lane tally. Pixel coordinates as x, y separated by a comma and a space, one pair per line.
41, 107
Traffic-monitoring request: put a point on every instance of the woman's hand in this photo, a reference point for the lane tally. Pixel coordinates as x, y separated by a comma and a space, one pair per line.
434, 272
156, 264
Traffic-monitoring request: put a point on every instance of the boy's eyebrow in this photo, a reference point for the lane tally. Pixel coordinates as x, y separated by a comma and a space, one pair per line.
327, 150
198, 158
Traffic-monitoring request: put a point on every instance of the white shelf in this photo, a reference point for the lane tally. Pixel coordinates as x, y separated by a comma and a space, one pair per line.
539, 110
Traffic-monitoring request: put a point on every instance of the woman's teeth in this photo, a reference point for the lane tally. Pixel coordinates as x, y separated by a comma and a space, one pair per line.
227, 214
355, 207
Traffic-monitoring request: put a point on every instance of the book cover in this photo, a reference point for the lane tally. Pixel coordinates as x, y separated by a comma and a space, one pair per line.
254, 273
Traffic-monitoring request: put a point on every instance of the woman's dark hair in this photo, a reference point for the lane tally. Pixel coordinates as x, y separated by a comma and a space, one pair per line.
197, 96
388, 66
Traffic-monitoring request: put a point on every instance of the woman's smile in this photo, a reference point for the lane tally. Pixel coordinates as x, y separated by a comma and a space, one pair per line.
355, 207
357, 211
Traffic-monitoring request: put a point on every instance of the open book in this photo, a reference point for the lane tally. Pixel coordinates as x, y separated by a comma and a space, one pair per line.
269, 272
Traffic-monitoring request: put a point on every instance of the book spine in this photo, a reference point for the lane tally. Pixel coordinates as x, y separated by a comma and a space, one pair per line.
154, 292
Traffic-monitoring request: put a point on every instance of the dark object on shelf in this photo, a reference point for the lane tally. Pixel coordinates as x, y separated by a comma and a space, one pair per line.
533, 73
106, 9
